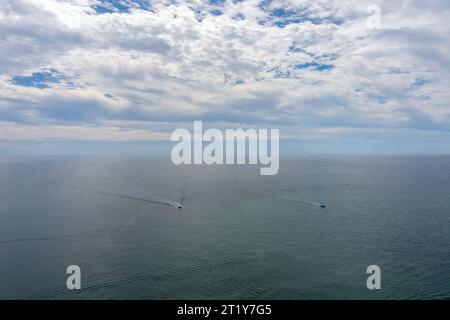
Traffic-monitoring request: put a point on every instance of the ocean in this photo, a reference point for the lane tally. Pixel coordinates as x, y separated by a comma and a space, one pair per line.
239, 235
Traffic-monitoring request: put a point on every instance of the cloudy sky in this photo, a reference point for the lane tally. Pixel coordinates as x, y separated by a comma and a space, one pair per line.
134, 70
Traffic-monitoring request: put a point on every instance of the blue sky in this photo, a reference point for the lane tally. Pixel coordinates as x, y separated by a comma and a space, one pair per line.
92, 72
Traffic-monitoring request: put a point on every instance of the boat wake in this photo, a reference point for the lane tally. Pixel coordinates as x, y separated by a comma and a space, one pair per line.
271, 195
166, 203
314, 203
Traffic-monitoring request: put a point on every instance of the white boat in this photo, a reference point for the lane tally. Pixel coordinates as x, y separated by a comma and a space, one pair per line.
175, 204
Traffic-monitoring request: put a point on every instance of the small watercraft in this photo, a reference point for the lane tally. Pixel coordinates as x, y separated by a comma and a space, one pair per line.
175, 204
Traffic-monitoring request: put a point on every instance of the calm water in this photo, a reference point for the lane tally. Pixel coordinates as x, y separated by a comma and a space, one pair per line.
239, 235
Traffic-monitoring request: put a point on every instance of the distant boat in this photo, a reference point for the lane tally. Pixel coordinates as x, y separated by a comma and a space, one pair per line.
322, 205
175, 204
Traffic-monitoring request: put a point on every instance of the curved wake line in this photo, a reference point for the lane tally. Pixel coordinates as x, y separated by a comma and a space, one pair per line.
183, 195
165, 203
33, 239
121, 180
314, 203
48, 238
157, 275
298, 200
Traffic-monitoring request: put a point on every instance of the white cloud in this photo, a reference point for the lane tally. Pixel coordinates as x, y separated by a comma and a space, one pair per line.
311, 64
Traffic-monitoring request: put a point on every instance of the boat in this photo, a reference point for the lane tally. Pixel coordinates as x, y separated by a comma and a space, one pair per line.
175, 204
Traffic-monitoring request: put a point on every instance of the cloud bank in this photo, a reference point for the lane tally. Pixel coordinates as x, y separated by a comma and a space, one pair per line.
137, 69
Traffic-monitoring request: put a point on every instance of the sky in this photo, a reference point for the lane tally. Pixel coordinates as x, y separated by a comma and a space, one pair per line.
95, 72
